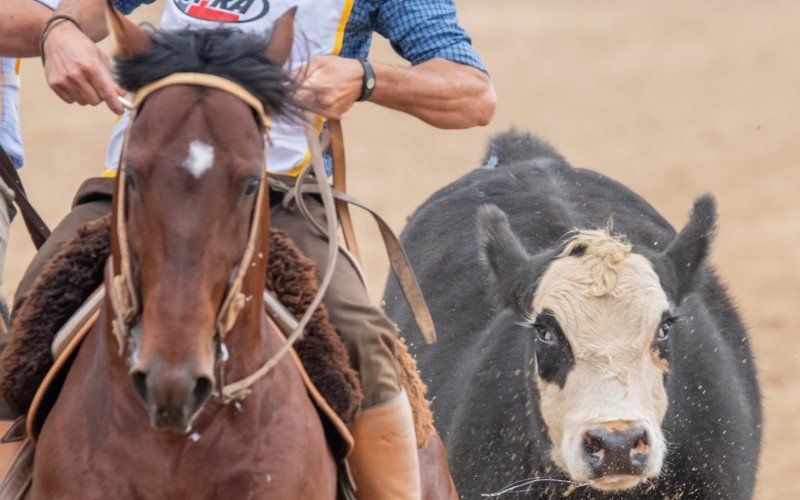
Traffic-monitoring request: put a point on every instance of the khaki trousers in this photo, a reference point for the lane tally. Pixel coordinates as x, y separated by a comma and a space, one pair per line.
369, 336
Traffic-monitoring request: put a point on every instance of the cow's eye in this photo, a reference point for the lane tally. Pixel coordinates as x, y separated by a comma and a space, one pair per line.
664, 328
543, 333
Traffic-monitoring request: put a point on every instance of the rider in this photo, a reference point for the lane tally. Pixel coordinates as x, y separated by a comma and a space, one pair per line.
20, 23
446, 86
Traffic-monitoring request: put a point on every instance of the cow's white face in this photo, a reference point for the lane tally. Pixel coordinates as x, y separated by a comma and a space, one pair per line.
599, 315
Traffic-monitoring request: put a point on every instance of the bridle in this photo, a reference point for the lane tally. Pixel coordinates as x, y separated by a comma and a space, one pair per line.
123, 292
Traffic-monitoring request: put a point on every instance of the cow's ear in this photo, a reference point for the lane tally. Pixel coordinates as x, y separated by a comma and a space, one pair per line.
130, 39
280, 44
683, 258
515, 271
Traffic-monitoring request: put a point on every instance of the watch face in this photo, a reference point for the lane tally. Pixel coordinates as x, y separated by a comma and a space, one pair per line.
370, 83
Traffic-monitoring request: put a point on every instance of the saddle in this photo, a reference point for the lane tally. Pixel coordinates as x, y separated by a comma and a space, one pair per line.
66, 300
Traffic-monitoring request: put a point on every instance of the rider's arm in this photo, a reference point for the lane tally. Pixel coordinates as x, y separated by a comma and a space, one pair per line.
447, 85
76, 69
440, 92
90, 14
21, 21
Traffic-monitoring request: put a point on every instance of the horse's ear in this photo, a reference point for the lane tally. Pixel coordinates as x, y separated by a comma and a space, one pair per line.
689, 250
280, 45
130, 39
516, 272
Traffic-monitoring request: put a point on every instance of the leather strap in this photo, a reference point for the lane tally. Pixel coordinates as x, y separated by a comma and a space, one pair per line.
340, 184
19, 477
33, 221
401, 267
208, 81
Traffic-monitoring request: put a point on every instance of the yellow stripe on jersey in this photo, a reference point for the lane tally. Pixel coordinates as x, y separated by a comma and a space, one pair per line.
348, 9
337, 49
18, 66
295, 171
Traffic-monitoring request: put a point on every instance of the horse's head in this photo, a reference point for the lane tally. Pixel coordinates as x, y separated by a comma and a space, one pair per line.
600, 317
193, 171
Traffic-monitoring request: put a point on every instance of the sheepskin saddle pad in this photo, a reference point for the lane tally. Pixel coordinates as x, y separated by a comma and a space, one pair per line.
77, 270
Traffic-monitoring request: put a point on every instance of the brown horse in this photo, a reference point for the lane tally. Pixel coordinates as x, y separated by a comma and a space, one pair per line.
188, 218
141, 413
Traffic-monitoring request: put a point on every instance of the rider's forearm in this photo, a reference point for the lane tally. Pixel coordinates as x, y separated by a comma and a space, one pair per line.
441, 93
91, 14
21, 21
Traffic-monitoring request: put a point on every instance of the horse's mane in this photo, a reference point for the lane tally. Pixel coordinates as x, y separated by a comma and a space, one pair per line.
224, 52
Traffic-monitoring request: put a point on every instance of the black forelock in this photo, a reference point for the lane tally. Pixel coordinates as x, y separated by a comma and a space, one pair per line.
232, 54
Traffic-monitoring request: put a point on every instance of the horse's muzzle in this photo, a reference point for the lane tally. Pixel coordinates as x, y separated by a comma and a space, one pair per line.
171, 396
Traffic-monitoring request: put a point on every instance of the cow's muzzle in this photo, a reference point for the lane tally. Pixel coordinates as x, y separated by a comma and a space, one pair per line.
617, 453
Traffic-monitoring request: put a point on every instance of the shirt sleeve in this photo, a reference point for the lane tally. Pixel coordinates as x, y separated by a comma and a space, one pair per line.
124, 6
50, 4
127, 6
420, 30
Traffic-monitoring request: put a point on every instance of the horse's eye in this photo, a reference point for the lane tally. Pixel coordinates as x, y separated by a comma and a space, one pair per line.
130, 179
252, 187
543, 333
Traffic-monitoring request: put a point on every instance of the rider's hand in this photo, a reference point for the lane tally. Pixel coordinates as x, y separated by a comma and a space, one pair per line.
77, 70
330, 84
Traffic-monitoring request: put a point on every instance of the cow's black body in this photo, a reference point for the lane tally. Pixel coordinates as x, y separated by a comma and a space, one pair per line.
480, 371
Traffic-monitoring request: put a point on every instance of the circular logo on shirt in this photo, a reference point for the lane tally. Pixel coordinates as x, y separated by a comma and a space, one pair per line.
224, 11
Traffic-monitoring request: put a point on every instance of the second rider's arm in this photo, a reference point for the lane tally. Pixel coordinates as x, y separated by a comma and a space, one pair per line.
21, 21
75, 68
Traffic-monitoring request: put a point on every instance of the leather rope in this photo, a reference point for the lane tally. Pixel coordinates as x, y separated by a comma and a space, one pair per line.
340, 184
36, 226
239, 389
123, 292
398, 259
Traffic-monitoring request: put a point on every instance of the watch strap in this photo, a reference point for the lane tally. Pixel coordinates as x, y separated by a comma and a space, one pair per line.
369, 80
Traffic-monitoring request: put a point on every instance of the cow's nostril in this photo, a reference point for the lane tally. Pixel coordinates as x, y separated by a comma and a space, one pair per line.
616, 452
140, 384
593, 444
641, 447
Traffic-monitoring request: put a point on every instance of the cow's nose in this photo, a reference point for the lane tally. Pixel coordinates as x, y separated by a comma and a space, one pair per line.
616, 448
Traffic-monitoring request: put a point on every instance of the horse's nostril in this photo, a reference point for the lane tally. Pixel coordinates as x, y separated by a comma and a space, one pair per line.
140, 384
202, 390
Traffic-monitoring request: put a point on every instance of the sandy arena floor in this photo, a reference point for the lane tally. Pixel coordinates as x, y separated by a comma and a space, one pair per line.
671, 98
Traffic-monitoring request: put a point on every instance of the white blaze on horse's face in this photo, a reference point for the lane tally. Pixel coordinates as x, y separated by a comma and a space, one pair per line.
601, 381
200, 158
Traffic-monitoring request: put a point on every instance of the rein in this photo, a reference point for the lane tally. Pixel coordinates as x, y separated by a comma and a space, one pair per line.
123, 292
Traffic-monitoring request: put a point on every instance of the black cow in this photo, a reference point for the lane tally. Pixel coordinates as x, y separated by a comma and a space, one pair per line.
584, 347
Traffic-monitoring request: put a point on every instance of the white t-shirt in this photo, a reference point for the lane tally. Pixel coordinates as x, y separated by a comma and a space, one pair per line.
319, 29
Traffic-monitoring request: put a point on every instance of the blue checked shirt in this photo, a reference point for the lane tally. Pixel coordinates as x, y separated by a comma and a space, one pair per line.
419, 30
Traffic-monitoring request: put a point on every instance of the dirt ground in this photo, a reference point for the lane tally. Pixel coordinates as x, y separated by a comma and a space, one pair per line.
672, 98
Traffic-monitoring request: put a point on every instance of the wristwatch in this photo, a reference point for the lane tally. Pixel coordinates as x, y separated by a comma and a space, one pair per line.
368, 83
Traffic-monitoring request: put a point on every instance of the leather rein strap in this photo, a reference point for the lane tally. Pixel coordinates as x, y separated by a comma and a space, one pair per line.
33, 221
397, 257
340, 185
123, 293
